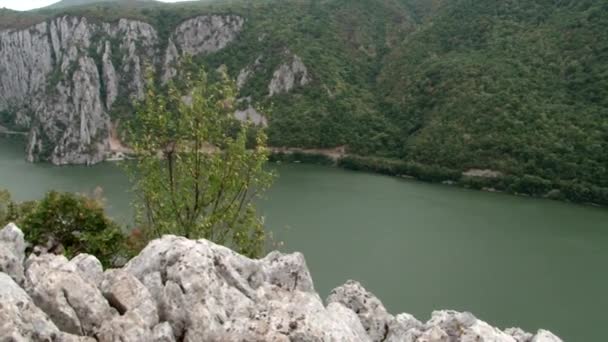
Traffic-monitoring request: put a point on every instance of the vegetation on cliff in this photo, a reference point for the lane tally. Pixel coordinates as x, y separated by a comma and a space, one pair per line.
518, 87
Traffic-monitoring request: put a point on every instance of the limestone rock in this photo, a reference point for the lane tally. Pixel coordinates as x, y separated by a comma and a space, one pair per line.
205, 34
76, 306
163, 333
127, 328
288, 76
20, 319
519, 335
89, 268
340, 313
184, 290
463, 326
62, 77
110, 80
208, 292
371, 312
545, 336
404, 327
434, 334
247, 72
128, 295
12, 252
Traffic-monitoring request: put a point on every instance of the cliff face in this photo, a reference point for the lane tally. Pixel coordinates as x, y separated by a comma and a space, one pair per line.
183, 290
62, 78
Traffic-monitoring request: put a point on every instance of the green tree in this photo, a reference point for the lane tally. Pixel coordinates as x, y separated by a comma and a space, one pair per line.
194, 174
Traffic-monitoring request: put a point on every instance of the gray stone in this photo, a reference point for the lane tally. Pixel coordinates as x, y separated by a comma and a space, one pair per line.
127, 294
206, 34
51, 80
371, 312
463, 326
12, 252
20, 319
403, 327
184, 290
434, 334
76, 306
163, 333
519, 335
288, 75
126, 328
89, 268
545, 336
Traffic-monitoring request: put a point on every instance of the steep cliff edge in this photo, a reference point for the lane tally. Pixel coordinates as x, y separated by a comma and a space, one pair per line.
184, 290
61, 79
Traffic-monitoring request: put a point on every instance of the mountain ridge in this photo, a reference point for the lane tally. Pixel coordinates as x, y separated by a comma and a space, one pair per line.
444, 87
74, 3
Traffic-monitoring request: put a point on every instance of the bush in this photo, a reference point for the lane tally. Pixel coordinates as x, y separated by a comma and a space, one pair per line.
77, 222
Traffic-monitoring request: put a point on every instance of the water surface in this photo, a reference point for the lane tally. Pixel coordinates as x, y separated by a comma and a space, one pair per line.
512, 261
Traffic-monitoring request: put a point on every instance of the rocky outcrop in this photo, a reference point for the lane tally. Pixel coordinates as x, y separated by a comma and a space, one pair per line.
251, 115
12, 253
288, 75
199, 36
184, 290
207, 34
63, 77
246, 73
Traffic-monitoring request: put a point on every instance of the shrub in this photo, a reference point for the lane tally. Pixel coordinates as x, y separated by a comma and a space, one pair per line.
77, 222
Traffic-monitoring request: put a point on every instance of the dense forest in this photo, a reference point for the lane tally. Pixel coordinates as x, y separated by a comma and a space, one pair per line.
427, 88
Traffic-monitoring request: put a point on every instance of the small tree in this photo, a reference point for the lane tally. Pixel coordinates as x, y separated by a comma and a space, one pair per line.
194, 174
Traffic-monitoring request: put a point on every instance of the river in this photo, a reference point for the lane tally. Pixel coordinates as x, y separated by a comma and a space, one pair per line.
512, 261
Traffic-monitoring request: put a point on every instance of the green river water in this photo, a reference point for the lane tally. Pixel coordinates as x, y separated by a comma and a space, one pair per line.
511, 261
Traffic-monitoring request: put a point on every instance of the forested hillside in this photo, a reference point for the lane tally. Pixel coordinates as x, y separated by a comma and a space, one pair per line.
515, 86
424, 87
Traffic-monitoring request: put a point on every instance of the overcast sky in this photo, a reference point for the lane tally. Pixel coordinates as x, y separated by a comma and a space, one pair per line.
23, 5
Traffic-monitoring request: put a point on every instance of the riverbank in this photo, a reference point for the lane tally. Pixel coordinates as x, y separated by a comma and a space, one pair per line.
485, 180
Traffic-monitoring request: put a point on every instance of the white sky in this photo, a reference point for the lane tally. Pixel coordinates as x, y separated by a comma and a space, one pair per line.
24, 5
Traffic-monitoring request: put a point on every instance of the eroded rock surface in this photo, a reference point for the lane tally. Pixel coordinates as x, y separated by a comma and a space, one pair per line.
289, 75
62, 78
184, 290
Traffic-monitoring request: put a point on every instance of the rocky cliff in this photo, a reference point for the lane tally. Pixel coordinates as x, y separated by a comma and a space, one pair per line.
183, 290
62, 78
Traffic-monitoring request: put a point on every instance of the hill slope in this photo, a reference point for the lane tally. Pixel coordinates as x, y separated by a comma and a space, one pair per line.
519, 88
72, 3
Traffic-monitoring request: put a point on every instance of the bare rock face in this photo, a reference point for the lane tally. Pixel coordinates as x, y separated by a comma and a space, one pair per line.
289, 75
63, 77
184, 290
205, 34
